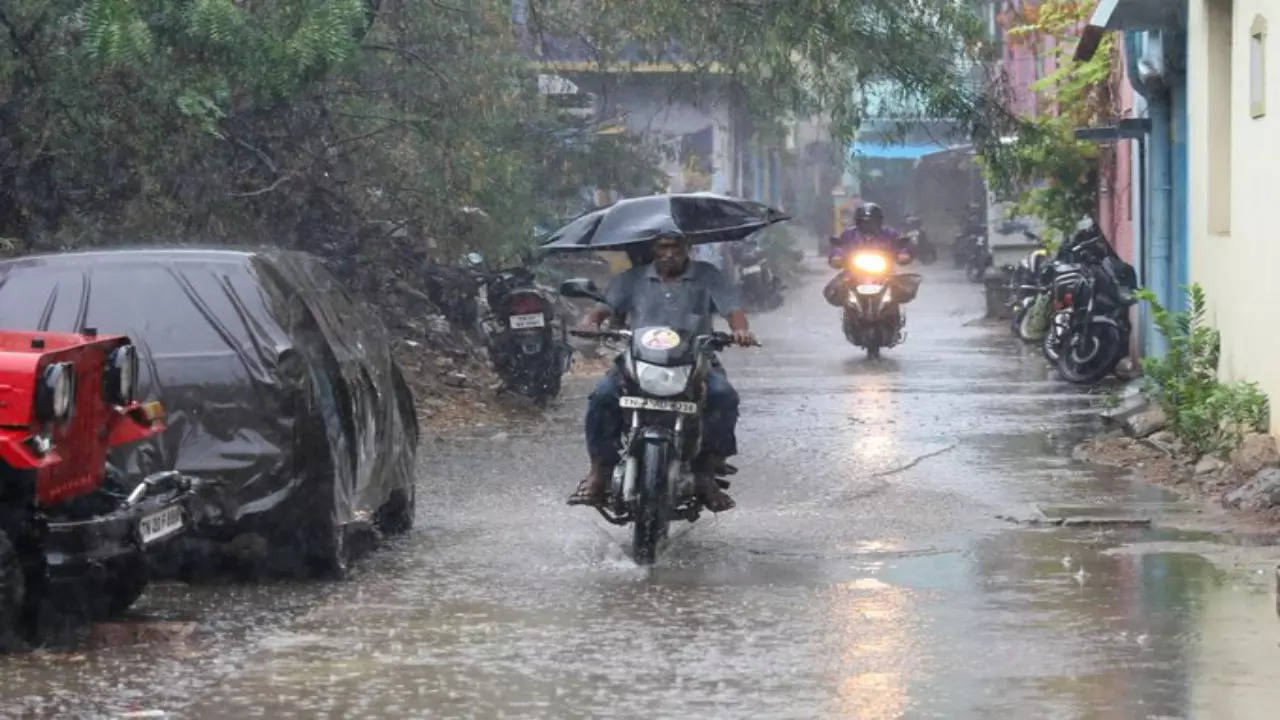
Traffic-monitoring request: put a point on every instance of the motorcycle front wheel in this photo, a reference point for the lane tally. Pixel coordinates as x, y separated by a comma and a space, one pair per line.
1092, 355
650, 517
975, 270
1027, 325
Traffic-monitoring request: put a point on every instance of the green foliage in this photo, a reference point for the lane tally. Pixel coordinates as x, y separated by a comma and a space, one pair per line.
1045, 171
1208, 415
799, 58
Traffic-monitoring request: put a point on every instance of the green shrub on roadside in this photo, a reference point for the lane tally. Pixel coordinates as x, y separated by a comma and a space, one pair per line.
1210, 416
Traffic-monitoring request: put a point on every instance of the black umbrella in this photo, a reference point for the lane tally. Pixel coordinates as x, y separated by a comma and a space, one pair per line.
702, 217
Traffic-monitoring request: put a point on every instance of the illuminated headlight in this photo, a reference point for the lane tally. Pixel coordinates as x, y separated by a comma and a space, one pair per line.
874, 263
56, 391
663, 381
121, 382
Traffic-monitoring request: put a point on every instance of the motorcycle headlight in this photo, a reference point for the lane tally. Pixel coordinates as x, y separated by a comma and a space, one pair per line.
121, 381
870, 262
663, 381
55, 393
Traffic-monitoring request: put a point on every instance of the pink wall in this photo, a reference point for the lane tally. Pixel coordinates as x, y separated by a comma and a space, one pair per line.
1115, 197
1025, 61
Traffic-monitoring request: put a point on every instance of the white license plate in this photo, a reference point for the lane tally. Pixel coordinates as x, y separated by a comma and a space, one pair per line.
753, 270
869, 289
160, 524
676, 406
524, 322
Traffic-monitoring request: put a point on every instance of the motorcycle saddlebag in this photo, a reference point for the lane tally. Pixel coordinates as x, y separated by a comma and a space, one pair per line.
1124, 273
905, 287
837, 290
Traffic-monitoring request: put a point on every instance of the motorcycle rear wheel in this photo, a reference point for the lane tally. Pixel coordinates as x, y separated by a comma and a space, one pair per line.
928, 254
650, 523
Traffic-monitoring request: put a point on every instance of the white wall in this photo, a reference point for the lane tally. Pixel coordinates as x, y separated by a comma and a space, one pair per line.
1235, 187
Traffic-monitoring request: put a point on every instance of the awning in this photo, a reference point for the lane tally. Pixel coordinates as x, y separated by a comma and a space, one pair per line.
1113, 15
896, 152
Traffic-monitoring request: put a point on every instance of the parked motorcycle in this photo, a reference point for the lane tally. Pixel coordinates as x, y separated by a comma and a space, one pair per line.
1027, 295
527, 341
758, 278
665, 370
979, 258
973, 231
921, 246
1089, 328
871, 297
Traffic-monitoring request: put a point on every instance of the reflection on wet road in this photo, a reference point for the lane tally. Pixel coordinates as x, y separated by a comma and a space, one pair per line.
863, 575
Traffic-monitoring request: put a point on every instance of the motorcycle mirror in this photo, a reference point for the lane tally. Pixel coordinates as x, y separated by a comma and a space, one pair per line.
475, 259
581, 288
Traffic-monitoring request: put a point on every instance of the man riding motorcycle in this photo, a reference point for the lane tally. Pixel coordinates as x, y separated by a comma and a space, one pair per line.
672, 291
868, 231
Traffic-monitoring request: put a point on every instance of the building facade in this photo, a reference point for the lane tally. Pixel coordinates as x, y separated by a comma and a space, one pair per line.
1234, 138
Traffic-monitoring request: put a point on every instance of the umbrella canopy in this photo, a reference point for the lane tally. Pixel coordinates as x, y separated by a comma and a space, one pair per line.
702, 217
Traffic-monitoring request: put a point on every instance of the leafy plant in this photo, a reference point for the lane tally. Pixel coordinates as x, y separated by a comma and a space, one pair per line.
1210, 416
1045, 170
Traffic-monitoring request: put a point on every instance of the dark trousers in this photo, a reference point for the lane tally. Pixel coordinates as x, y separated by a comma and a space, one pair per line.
604, 423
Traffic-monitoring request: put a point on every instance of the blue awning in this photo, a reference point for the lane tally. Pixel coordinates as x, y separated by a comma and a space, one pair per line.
896, 152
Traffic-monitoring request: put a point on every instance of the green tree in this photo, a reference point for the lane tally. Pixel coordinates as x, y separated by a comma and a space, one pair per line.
1044, 169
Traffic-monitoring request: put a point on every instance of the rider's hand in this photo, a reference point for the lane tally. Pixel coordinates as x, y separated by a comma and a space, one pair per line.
589, 323
745, 338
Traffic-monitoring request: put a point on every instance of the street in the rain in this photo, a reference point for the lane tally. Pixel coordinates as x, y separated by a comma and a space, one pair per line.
866, 572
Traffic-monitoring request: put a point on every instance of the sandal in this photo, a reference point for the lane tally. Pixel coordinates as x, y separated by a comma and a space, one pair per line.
586, 495
712, 497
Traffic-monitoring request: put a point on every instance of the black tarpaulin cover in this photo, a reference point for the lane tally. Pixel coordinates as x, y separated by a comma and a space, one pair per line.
276, 383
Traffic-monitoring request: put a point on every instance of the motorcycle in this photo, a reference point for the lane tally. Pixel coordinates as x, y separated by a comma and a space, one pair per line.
979, 258
871, 296
1091, 293
665, 370
527, 342
1097, 329
1027, 300
965, 241
921, 246
761, 286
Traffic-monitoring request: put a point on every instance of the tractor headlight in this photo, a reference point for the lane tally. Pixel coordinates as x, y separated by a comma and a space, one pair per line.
663, 381
121, 382
55, 392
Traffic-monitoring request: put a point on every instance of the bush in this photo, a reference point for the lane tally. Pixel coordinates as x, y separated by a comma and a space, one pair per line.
1208, 415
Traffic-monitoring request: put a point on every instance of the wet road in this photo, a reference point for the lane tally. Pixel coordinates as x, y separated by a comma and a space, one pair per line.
863, 575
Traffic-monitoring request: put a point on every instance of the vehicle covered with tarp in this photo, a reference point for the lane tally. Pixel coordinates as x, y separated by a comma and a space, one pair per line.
279, 386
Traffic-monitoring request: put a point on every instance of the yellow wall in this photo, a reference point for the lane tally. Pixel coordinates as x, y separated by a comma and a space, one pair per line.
1235, 186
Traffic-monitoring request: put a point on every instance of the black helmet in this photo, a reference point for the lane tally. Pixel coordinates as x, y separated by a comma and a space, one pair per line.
868, 214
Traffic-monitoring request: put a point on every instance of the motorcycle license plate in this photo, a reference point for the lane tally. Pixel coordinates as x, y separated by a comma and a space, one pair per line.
524, 322
676, 406
753, 270
869, 289
160, 524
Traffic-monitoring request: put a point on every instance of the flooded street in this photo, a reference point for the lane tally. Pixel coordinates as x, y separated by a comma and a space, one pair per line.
864, 573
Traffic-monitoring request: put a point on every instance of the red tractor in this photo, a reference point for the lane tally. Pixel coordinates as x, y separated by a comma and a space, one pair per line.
73, 530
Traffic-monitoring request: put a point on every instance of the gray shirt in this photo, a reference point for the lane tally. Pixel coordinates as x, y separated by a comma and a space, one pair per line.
685, 303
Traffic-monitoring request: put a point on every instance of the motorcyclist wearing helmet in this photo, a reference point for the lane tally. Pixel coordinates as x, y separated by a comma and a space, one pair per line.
869, 230
869, 233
